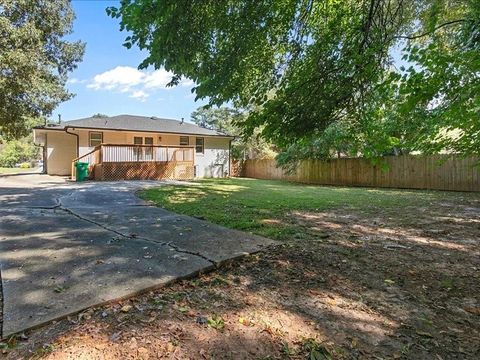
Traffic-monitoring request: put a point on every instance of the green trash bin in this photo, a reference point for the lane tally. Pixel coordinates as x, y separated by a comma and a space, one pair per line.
82, 171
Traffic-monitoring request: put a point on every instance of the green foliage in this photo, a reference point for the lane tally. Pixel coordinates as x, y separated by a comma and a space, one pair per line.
18, 151
220, 119
335, 140
216, 322
34, 60
226, 120
317, 76
314, 350
440, 91
99, 115
10, 342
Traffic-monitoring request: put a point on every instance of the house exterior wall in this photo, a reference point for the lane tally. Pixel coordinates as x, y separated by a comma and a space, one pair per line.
61, 149
214, 161
120, 137
109, 137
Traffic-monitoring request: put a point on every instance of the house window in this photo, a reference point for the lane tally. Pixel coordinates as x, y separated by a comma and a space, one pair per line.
95, 138
149, 150
143, 153
138, 151
199, 145
149, 141
184, 141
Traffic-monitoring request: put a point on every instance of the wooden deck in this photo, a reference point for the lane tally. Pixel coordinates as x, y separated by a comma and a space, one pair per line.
110, 162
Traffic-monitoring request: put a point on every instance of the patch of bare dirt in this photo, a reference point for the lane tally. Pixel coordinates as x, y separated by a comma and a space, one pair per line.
349, 285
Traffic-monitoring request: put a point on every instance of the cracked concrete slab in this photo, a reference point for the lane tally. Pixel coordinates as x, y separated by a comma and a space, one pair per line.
65, 247
102, 196
70, 265
214, 242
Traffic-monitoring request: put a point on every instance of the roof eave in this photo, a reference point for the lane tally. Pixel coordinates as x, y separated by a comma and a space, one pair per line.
133, 130
48, 128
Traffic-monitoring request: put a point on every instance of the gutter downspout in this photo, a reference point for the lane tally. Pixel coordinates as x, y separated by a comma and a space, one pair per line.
76, 135
77, 150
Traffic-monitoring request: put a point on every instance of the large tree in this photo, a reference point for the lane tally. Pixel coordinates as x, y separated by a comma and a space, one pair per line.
35, 60
315, 74
226, 120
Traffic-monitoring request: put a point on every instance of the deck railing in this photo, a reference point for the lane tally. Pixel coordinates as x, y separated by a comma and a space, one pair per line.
168, 161
141, 153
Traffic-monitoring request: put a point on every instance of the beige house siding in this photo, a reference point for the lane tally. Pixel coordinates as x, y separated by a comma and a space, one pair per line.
61, 149
121, 137
109, 137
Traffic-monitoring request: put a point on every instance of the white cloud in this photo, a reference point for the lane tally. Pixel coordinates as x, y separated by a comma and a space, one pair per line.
140, 95
138, 84
75, 81
158, 79
187, 82
120, 78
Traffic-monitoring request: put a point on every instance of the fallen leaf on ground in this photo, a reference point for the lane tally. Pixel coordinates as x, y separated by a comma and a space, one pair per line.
244, 321
473, 310
423, 333
126, 308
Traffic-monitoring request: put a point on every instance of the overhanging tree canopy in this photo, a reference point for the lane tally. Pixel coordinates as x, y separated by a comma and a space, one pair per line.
302, 67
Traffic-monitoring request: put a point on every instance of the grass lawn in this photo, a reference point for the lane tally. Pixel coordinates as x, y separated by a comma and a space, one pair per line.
266, 207
361, 272
5, 171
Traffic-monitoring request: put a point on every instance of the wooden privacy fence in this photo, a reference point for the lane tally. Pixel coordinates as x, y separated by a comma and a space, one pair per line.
439, 172
139, 162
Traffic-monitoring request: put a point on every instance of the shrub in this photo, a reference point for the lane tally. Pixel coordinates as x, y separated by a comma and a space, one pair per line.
17, 151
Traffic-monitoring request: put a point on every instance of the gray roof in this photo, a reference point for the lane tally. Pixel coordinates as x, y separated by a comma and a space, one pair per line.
137, 123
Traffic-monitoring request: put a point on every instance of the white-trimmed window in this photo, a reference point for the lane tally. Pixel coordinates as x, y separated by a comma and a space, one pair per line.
199, 145
148, 150
184, 141
95, 138
148, 140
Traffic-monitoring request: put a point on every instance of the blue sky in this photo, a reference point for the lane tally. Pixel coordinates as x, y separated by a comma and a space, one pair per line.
107, 80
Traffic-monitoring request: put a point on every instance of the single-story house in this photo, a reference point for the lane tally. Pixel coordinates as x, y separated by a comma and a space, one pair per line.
134, 147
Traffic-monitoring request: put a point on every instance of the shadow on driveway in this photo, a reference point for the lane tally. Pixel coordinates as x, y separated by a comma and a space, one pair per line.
67, 246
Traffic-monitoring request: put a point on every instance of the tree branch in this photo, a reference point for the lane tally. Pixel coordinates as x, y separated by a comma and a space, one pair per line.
413, 37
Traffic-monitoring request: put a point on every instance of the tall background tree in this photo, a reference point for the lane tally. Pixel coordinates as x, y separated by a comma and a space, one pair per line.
34, 61
226, 120
319, 77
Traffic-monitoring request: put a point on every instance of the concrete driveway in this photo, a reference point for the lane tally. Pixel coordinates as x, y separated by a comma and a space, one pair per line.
68, 246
